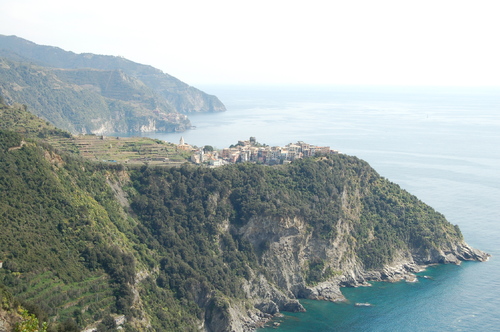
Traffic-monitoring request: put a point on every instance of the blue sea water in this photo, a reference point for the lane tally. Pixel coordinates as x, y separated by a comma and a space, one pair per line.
440, 144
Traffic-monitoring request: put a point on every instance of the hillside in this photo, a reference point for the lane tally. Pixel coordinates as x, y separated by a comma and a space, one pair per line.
191, 248
96, 94
182, 97
88, 101
126, 150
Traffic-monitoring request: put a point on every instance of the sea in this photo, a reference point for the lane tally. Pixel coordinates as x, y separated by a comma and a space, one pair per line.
441, 144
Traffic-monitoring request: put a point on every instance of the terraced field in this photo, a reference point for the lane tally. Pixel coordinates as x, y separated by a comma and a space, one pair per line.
125, 150
53, 296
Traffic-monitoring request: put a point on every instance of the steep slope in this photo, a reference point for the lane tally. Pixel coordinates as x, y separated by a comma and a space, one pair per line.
181, 97
192, 248
300, 230
87, 100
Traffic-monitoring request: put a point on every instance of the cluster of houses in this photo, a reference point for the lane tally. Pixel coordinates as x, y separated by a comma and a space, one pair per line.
252, 151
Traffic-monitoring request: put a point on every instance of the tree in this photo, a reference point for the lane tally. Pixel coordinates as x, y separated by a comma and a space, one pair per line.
69, 325
29, 324
108, 324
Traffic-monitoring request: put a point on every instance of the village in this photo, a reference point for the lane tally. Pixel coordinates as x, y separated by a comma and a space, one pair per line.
252, 151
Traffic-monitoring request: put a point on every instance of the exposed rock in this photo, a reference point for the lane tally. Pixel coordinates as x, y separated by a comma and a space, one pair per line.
8, 319
293, 306
268, 307
290, 245
466, 253
328, 291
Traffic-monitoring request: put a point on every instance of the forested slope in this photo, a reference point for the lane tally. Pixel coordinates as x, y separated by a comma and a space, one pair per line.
87, 100
180, 96
190, 248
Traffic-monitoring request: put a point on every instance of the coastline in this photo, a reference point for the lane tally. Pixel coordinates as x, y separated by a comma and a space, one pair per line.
400, 271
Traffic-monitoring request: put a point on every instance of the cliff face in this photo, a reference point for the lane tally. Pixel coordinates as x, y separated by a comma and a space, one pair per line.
292, 248
312, 227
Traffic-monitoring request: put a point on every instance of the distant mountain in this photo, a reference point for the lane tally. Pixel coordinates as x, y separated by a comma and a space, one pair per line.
88, 93
88, 100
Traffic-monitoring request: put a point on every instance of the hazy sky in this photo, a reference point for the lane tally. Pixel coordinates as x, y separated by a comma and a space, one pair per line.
277, 42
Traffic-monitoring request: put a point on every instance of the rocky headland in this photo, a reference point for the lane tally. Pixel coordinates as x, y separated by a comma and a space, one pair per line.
286, 263
199, 248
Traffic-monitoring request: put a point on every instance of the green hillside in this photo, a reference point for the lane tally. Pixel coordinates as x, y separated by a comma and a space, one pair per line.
127, 150
18, 119
190, 248
180, 96
88, 101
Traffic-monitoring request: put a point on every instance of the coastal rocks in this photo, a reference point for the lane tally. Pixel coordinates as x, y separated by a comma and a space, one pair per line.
465, 252
407, 265
450, 258
397, 271
451, 254
327, 291
270, 299
100, 127
289, 250
268, 307
394, 274
293, 306
221, 318
235, 316
462, 253
150, 126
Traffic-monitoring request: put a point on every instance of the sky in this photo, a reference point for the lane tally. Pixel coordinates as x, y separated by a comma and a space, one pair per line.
383, 42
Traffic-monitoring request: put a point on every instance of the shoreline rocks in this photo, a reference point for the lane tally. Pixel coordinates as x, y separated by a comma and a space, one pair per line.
274, 300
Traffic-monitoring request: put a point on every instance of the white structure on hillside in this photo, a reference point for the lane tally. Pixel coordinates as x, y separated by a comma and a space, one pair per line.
183, 146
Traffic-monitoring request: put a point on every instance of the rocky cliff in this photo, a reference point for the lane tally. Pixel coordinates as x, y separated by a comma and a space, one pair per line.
309, 225
291, 250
